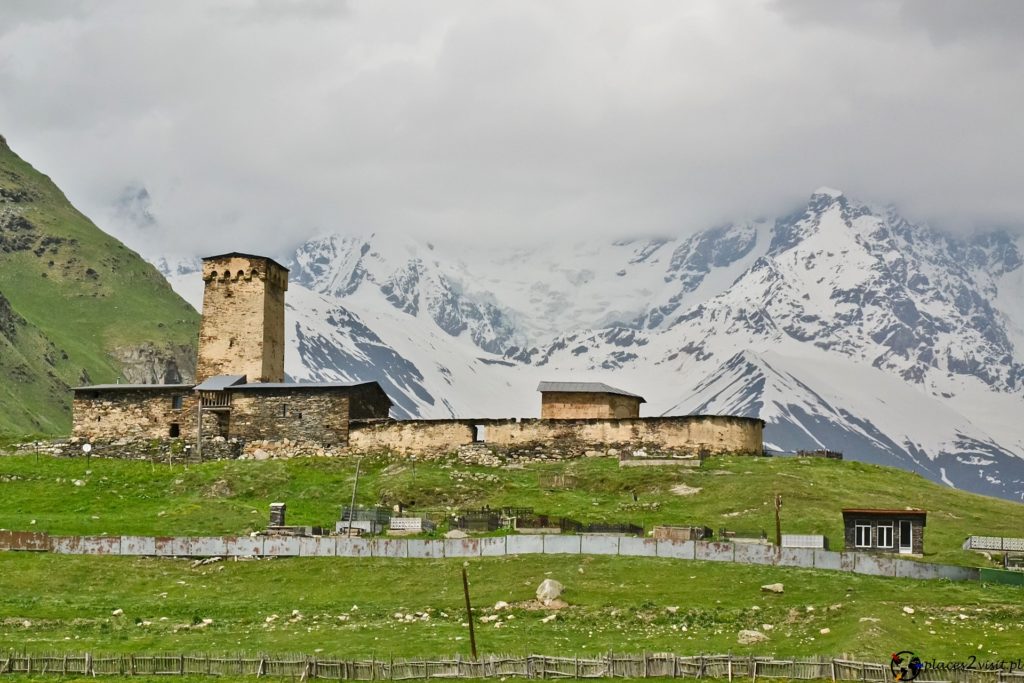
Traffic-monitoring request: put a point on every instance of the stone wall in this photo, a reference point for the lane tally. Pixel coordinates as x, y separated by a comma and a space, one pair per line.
319, 416
559, 405
242, 329
133, 413
687, 435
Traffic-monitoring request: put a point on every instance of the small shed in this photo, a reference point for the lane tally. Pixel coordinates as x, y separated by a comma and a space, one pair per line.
586, 400
887, 531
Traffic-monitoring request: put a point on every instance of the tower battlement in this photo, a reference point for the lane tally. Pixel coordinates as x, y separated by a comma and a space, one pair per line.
242, 329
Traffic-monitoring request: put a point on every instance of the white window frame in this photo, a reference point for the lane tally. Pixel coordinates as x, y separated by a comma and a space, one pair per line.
881, 532
857, 526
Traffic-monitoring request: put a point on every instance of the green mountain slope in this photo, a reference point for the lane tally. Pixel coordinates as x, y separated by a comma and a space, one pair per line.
72, 301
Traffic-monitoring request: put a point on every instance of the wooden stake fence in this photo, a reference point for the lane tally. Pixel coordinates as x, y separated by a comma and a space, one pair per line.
646, 665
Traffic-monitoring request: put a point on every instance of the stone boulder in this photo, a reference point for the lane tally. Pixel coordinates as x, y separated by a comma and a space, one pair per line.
772, 588
549, 590
747, 637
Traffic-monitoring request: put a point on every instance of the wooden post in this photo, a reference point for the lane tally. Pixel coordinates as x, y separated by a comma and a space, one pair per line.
88, 664
778, 522
728, 667
833, 667
352, 506
469, 613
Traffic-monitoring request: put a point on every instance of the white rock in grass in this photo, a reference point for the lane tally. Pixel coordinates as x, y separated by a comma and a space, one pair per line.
550, 617
117, 613
747, 637
908, 610
825, 631
548, 590
500, 605
772, 588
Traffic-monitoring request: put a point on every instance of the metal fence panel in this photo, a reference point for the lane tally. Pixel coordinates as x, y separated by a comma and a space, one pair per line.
138, 545
638, 547
875, 565
318, 546
795, 557
491, 547
171, 546
86, 545
243, 546
754, 553
389, 547
282, 546
561, 545
524, 544
425, 548
599, 545
352, 547
207, 546
714, 551
462, 547
680, 550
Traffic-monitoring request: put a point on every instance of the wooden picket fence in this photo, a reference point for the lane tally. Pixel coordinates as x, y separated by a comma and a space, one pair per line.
646, 665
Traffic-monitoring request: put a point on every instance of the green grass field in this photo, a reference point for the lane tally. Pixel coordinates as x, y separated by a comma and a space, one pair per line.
131, 497
348, 607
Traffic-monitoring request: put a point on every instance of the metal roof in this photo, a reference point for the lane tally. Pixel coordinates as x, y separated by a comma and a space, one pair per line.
584, 388
256, 386
870, 511
243, 255
108, 387
220, 382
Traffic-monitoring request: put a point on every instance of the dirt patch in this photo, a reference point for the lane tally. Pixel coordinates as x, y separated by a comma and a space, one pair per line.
219, 489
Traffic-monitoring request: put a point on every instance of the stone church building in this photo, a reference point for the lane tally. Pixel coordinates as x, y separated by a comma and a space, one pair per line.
241, 392
242, 404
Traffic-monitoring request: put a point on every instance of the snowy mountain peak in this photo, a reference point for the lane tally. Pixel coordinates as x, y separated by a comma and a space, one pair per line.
843, 325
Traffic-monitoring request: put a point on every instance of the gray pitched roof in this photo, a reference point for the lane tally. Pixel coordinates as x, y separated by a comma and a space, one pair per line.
108, 387
584, 388
256, 386
220, 382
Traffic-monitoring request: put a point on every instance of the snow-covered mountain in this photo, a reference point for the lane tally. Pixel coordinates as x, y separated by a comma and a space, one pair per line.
843, 325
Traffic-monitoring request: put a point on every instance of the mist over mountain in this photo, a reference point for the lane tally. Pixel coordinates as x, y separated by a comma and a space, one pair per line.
843, 325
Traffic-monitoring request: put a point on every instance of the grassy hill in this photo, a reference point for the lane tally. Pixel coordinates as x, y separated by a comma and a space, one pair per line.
70, 297
130, 497
348, 606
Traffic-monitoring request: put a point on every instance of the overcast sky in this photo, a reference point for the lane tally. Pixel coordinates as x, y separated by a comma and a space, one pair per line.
256, 123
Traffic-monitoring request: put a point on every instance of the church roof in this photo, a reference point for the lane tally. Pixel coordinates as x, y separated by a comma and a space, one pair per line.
584, 388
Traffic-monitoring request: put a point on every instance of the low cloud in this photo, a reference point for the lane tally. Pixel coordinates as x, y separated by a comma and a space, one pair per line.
254, 124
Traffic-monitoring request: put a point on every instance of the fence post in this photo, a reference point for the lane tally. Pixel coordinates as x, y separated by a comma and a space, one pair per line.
728, 668
753, 670
833, 667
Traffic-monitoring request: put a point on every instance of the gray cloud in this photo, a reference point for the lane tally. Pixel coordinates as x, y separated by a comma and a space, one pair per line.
253, 124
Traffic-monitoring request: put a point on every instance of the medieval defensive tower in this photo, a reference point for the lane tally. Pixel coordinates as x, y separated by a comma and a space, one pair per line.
242, 330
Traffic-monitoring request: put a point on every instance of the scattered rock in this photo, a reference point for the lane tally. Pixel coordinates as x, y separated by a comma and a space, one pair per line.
825, 631
456, 533
78, 482
548, 590
500, 605
489, 618
550, 617
117, 613
772, 588
747, 637
672, 609
908, 610
684, 490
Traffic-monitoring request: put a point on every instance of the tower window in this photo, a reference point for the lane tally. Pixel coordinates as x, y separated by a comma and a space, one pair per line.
175, 430
284, 410
177, 402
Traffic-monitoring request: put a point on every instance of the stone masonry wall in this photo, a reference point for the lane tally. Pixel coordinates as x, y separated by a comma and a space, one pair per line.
242, 329
281, 414
687, 435
132, 414
558, 405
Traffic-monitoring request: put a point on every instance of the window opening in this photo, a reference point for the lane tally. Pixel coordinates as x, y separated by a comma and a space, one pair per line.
479, 433
177, 402
862, 535
885, 535
175, 430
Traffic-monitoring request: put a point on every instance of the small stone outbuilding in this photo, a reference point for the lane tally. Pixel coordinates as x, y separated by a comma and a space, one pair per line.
885, 531
586, 400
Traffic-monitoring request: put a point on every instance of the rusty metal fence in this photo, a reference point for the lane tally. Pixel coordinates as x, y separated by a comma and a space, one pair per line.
646, 665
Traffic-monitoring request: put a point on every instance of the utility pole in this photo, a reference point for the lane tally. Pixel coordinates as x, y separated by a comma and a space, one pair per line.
778, 523
352, 506
469, 612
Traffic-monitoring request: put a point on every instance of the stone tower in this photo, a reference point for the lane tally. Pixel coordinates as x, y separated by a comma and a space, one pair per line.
242, 330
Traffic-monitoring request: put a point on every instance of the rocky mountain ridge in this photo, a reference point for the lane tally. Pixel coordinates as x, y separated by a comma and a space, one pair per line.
843, 325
